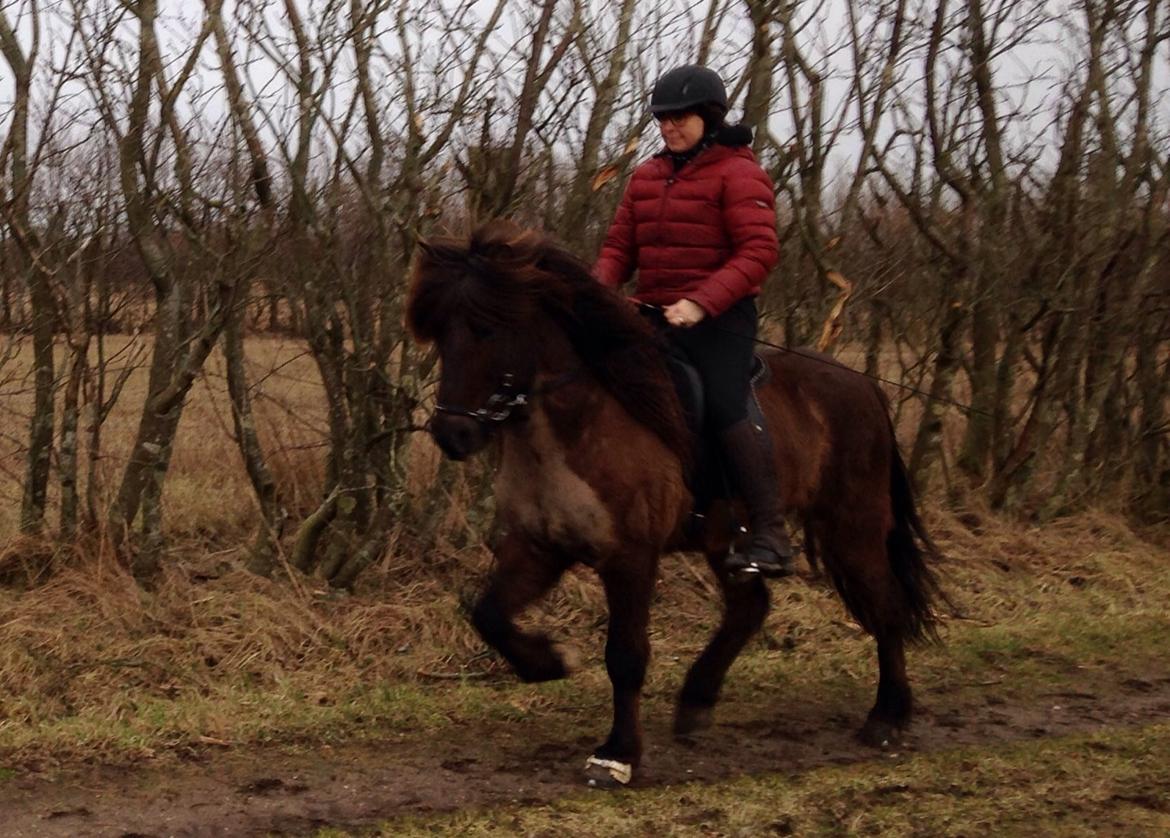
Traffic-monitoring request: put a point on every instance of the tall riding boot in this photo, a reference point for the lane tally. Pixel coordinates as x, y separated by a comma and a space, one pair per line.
748, 450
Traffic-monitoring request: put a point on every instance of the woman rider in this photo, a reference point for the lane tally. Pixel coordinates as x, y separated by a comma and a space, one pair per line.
698, 223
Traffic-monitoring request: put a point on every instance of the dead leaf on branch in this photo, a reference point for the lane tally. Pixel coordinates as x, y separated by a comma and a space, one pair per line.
832, 327
605, 176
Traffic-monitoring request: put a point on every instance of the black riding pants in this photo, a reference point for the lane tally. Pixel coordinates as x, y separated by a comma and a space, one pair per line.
721, 349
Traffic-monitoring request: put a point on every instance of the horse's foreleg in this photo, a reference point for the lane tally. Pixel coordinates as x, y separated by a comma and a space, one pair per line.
745, 606
522, 575
629, 583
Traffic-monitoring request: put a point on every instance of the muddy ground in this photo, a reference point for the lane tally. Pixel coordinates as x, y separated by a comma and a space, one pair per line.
478, 764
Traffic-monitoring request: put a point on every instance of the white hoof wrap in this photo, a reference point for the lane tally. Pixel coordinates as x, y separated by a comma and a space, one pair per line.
620, 772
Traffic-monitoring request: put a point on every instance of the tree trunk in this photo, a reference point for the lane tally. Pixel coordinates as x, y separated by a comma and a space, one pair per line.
928, 441
1014, 469
1151, 494
69, 428
155, 433
579, 210
272, 513
40, 445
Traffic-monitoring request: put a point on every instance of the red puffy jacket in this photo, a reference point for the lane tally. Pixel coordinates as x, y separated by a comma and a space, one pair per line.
706, 232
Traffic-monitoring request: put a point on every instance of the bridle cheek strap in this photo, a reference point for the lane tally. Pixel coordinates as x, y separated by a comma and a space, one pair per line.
503, 404
497, 409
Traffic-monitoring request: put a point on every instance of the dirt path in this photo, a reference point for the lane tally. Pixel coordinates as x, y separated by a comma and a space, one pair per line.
288, 791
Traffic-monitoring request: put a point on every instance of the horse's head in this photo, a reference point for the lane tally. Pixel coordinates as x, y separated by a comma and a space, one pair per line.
507, 304
479, 302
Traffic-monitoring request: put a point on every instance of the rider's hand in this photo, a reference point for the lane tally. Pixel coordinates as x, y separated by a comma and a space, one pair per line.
684, 313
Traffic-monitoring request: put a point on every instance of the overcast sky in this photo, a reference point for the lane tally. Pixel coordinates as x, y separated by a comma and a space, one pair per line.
1045, 59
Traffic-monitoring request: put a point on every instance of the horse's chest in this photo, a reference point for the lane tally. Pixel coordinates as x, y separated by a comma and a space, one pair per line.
538, 493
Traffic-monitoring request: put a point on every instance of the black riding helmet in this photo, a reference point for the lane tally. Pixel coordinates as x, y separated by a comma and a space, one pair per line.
687, 88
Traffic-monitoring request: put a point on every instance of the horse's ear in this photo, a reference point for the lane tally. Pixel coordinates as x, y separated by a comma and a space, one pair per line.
501, 240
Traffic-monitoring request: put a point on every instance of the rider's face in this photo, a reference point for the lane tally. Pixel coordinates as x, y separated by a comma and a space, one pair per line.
681, 131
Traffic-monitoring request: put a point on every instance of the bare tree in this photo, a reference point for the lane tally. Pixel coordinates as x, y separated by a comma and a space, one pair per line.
36, 272
152, 202
989, 237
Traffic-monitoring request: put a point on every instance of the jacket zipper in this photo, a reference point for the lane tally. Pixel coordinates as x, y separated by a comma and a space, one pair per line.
662, 204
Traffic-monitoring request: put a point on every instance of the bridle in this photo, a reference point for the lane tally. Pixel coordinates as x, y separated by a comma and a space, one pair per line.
507, 400
499, 405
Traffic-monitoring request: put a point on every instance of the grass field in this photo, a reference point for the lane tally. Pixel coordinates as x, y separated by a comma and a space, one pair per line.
252, 706
1075, 785
207, 496
1045, 709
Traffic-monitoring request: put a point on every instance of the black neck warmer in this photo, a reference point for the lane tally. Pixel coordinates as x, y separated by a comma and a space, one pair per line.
728, 135
681, 158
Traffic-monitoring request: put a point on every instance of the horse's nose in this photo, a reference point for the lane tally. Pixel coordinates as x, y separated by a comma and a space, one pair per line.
458, 437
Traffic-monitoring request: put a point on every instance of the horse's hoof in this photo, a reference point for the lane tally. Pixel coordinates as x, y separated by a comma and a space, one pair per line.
607, 773
743, 575
691, 718
547, 662
570, 658
880, 734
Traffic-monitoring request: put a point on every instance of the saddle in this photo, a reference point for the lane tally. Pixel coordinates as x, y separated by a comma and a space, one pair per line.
689, 387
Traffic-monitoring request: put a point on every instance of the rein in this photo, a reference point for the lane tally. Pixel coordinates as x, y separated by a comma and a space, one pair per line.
506, 399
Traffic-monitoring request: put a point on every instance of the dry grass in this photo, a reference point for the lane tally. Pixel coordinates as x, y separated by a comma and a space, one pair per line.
208, 498
96, 667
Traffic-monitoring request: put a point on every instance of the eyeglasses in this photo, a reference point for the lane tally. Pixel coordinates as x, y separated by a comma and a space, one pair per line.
675, 118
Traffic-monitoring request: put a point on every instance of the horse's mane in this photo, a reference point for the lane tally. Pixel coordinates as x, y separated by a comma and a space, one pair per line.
504, 275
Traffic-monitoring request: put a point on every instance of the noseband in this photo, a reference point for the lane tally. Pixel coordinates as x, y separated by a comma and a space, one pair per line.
498, 407
507, 398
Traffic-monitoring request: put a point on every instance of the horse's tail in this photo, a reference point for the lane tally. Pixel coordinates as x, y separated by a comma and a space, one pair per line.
909, 548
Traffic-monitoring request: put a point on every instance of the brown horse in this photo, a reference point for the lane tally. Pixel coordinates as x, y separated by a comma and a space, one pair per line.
572, 385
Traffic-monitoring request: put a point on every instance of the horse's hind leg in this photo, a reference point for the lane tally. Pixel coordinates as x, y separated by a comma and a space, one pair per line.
629, 584
745, 606
891, 712
522, 575
855, 556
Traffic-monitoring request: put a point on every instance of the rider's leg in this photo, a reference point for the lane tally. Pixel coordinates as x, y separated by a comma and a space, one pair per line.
722, 348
